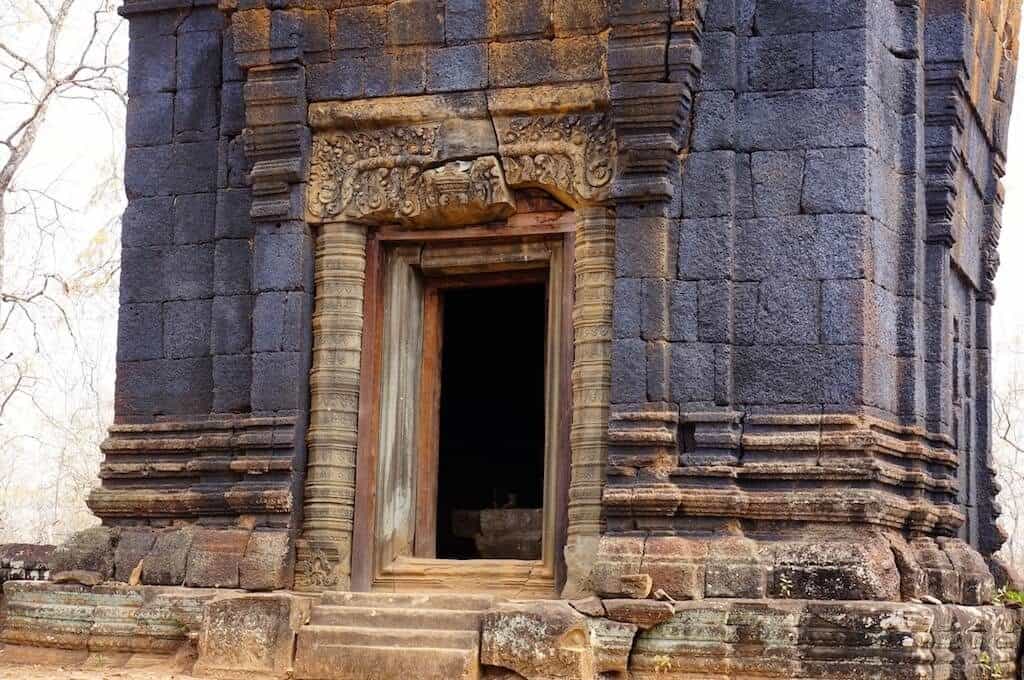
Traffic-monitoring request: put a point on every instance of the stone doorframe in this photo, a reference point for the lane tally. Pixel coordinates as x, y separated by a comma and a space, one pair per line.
432, 162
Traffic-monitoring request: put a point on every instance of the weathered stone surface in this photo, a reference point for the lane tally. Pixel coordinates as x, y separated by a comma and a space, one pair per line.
251, 635
215, 557
87, 550
167, 560
78, 576
103, 619
642, 613
393, 635
538, 640
772, 228
612, 642
269, 562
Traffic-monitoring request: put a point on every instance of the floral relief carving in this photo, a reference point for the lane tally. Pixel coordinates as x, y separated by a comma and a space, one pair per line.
573, 153
319, 571
400, 174
394, 174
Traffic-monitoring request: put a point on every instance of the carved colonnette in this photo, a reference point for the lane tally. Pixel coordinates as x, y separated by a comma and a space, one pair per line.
324, 550
446, 161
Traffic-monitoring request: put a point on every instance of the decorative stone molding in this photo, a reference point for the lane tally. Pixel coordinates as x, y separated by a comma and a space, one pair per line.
573, 154
591, 388
224, 466
383, 176
324, 550
276, 139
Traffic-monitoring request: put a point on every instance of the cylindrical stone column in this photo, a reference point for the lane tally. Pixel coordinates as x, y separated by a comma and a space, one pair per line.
591, 381
325, 548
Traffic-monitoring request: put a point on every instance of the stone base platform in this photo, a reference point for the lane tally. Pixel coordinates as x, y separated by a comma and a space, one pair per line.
232, 634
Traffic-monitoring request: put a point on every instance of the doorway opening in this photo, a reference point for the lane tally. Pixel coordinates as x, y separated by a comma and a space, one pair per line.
491, 422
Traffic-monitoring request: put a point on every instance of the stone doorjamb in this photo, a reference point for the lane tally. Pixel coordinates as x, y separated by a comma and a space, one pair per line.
450, 161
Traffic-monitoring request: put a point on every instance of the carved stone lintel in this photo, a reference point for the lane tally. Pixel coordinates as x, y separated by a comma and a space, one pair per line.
571, 155
393, 175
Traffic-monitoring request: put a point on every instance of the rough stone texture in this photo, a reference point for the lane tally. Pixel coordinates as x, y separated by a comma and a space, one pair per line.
249, 635
215, 557
132, 548
804, 204
167, 560
106, 618
88, 550
538, 640
269, 562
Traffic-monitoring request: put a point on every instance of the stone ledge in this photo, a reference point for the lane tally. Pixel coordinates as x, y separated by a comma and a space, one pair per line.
822, 563
106, 618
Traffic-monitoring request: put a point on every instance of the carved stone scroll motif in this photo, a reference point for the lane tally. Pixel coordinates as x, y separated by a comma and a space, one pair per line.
395, 175
573, 154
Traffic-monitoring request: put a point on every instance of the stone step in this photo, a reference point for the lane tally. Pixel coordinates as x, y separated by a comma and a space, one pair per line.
401, 638
396, 617
319, 660
459, 601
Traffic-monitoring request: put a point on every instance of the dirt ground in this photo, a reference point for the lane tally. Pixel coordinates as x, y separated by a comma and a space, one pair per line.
48, 673
32, 663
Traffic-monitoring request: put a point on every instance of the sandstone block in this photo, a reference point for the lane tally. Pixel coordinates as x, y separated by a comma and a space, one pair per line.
232, 324
617, 558
676, 566
193, 218
278, 380
781, 62
78, 576
139, 330
188, 271
232, 264
88, 550
642, 613
538, 640
268, 562
166, 562
149, 119
612, 642
250, 635
215, 557
186, 328
778, 177
232, 383
132, 548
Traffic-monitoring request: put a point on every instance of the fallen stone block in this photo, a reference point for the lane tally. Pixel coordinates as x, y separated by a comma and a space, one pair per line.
250, 635
268, 563
88, 550
643, 613
538, 640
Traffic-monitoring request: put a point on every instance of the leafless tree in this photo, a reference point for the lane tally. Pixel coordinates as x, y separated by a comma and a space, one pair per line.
58, 298
38, 75
1008, 446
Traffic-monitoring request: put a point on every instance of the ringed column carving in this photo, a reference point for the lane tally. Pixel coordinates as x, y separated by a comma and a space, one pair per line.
591, 389
324, 549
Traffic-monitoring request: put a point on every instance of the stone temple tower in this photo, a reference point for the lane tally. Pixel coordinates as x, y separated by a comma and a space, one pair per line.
554, 339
